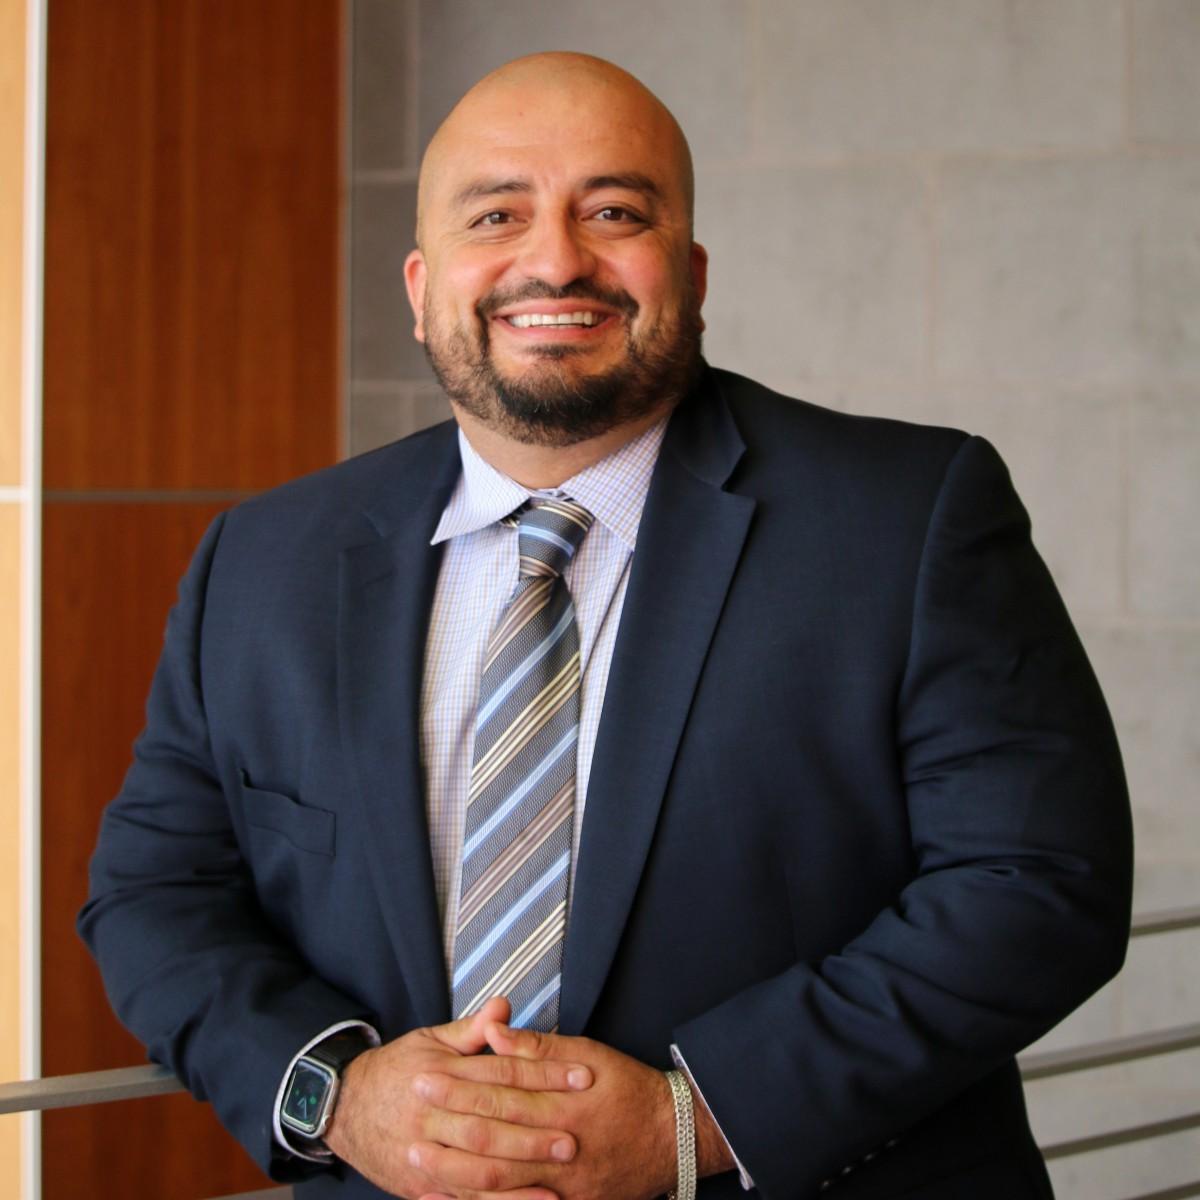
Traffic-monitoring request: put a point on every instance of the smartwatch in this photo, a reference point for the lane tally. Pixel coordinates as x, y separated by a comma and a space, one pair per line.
312, 1088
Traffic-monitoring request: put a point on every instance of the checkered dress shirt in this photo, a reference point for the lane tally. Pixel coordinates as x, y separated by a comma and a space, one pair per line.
477, 577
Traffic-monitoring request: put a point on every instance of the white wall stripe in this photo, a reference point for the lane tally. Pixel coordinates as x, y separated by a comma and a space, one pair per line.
31, 581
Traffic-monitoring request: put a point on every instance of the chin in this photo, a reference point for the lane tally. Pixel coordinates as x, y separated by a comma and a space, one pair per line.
562, 394
588, 360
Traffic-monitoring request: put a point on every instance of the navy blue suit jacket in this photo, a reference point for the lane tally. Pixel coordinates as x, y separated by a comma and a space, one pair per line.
856, 831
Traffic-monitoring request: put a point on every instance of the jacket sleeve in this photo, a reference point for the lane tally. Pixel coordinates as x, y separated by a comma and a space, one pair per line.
190, 963
1018, 908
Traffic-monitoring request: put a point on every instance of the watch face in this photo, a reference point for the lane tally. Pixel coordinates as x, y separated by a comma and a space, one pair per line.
306, 1096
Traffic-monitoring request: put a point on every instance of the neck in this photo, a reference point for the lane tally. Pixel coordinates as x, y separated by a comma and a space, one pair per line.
538, 467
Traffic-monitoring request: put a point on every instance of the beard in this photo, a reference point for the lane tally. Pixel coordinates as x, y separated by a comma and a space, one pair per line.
548, 403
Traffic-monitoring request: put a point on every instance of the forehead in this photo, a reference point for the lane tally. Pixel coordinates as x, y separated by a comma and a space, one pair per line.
561, 140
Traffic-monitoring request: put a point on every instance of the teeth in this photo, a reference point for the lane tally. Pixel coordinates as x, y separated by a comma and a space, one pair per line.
525, 320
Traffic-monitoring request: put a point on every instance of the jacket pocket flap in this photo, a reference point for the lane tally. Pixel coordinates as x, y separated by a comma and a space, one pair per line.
307, 828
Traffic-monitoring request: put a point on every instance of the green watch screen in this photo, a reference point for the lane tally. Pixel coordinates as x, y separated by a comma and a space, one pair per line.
306, 1096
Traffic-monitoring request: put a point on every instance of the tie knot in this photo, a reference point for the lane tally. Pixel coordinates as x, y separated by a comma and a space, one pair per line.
548, 534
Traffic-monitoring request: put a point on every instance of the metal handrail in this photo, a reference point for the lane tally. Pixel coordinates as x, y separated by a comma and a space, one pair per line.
131, 1083
1166, 920
1121, 1137
279, 1193
1182, 1191
91, 1087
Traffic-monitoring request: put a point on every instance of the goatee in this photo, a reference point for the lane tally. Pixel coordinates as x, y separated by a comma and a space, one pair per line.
549, 404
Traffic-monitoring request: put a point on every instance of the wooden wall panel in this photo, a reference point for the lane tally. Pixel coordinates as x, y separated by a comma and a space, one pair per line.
168, 1148
111, 572
192, 356
13, 629
192, 168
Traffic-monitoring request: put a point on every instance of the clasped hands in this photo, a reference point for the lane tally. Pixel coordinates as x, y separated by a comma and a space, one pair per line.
544, 1117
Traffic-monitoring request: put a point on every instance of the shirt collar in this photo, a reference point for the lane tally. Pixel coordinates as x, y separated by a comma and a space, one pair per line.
612, 490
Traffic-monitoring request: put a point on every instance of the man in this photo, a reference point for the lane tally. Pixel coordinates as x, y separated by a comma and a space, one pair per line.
838, 815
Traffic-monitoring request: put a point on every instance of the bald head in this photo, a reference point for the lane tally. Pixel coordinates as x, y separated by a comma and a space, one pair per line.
556, 284
532, 101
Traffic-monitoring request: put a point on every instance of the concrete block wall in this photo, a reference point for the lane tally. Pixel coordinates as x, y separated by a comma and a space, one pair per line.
983, 213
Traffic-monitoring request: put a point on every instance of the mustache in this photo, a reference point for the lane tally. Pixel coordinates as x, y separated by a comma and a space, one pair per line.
578, 289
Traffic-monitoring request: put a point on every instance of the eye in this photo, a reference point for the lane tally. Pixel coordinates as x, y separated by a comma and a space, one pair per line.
618, 214
493, 219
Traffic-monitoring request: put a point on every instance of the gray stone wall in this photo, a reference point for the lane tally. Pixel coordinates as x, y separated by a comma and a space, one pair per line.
984, 213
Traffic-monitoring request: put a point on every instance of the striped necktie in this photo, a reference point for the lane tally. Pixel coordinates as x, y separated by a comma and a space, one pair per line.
516, 857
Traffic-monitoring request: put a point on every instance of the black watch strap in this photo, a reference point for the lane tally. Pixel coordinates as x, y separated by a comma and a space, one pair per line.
342, 1048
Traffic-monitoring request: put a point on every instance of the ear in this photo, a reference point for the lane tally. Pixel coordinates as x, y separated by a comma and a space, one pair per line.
698, 263
415, 273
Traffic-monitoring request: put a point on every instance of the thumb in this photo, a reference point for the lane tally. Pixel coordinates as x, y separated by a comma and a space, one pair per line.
520, 1043
468, 1035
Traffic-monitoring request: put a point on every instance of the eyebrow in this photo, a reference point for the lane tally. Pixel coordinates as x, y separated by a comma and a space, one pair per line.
630, 181
479, 189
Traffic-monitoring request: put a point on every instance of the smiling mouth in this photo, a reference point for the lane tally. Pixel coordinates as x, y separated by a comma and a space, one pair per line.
531, 320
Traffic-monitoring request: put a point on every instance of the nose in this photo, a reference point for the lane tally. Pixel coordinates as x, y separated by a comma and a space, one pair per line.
556, 252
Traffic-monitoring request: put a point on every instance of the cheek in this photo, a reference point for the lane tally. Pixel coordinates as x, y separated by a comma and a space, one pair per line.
471, 278
455, 290
656, 283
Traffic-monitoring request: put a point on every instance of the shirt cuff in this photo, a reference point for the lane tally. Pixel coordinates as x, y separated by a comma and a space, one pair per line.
280, 1136
743, 1174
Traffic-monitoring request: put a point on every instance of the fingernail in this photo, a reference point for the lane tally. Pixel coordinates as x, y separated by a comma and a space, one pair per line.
414, 1156
422, 1086
579, 1078
561, 1150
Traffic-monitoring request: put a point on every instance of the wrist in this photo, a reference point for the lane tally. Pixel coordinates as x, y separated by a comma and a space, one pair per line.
339, 1131
713, 1153
313, 1091
685, 1137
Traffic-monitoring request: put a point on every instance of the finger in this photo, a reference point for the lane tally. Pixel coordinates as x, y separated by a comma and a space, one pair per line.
471, 1175
495, 1008
531, 1075
491, 1137
538, 1193
515, 1194
467, 1034
522, 1043
492, 1101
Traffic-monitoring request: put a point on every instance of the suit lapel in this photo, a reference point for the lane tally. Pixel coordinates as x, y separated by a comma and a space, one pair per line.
689, 543
386, 591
